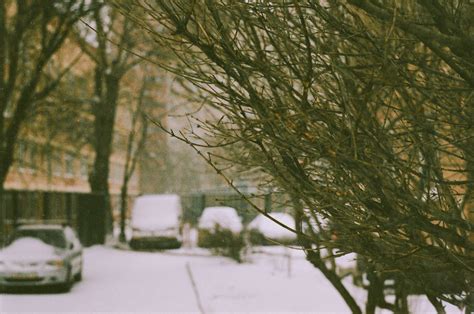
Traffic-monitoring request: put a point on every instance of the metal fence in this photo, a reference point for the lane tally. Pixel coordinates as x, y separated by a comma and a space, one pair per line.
85, 212
194, 203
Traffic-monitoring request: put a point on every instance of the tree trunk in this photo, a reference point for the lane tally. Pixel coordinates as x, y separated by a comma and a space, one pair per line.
316, 260
10, 135
372, 293
4, 167
469, 204
436, 304
123, 211
104, 114
401, 302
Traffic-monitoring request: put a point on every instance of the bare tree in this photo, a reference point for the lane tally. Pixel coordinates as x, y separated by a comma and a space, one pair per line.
107, 39
135, 142
360, 109
31, 33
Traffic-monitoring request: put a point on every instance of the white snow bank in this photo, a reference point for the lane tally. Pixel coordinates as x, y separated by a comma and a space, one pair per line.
152, 212
313, 216
28, 248
347, 260
41, 226
271, 229
224, 217
279, 250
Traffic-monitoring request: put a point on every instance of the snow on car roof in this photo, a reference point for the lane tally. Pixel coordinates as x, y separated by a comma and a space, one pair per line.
156, 211
224, 217
271, 229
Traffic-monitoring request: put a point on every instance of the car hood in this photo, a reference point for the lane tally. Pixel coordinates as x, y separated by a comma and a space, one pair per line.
29, 249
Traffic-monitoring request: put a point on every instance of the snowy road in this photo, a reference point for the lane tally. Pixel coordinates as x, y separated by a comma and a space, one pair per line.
117, 281
125, 281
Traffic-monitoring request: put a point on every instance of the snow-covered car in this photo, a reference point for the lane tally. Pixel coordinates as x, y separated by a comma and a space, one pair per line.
156, 222
264, 231
41, 255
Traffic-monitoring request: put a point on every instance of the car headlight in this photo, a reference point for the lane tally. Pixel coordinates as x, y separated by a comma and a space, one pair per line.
56, 263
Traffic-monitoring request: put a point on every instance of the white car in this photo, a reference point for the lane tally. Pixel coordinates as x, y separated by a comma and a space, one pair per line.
41, 255
156, 222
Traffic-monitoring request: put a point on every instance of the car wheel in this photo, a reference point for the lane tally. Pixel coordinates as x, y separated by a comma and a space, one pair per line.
78, 276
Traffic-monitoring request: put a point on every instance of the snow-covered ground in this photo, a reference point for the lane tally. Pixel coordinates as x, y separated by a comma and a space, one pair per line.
270, 229
273, 279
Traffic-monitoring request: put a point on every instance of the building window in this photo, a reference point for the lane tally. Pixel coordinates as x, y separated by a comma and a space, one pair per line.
33, 156
48, 156
84, 167
69, 164
57, 163
117, 173
134, 179
21, 155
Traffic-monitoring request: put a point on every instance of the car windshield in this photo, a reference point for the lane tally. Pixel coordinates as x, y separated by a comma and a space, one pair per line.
54, 237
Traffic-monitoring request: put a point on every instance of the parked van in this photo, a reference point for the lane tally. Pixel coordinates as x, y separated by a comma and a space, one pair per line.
156, 222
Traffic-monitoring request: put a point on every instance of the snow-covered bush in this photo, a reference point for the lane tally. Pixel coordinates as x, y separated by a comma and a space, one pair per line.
220, 229
263, 231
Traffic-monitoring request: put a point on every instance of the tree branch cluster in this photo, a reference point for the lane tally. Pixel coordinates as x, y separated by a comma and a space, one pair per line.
360, 109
